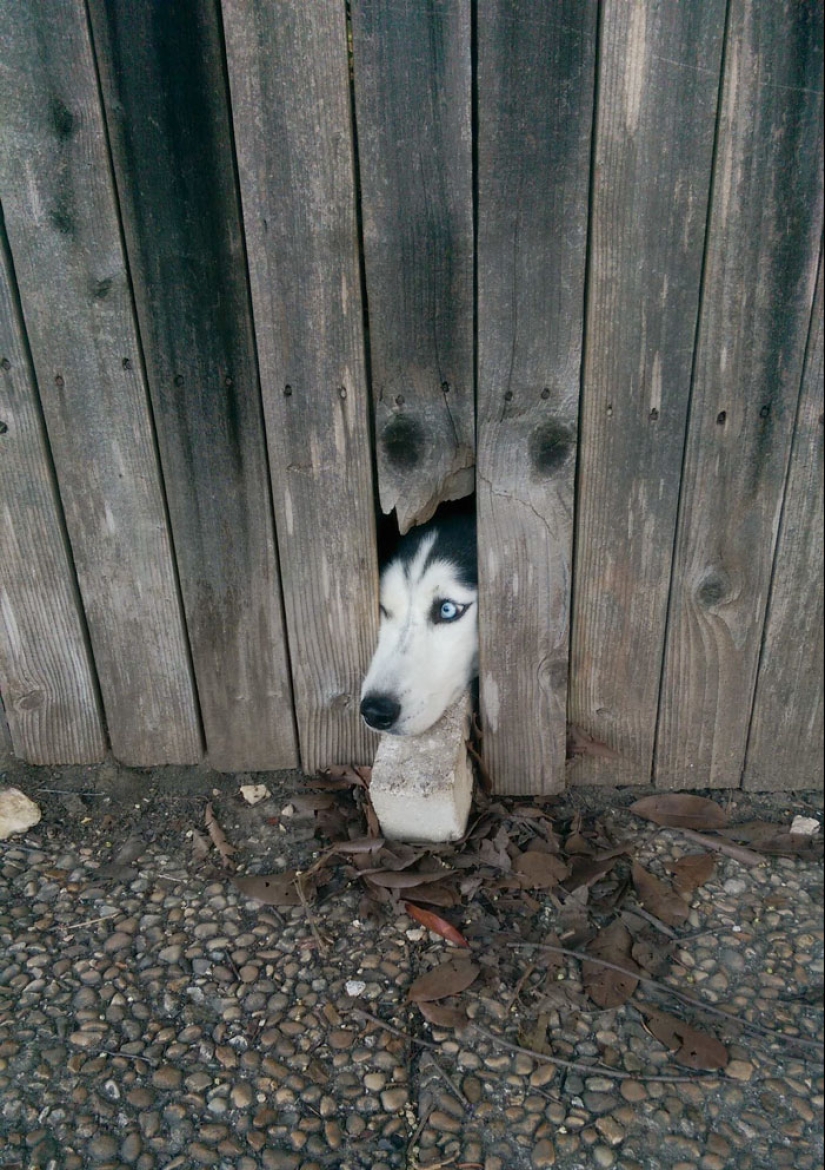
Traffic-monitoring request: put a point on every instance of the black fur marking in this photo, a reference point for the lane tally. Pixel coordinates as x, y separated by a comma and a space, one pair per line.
455, 542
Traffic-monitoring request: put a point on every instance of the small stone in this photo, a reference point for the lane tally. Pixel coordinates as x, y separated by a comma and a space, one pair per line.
543, 1075
633, 1091
544, 1154
473, 1089
241, 1095
443, 1122
102, 1147
610, 1130
740, 1070
167, 1077
393, 1099
204, 1155
332, 1132
17, 812
130, 1148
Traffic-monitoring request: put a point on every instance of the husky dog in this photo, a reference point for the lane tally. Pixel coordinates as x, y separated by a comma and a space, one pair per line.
427, 652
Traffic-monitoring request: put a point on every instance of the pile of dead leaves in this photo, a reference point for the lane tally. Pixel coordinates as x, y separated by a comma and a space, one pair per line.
528, 878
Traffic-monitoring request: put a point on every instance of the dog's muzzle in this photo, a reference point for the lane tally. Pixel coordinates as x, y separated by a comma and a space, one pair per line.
379, 711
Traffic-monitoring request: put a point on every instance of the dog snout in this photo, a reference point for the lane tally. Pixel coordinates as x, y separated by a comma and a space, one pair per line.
380, 711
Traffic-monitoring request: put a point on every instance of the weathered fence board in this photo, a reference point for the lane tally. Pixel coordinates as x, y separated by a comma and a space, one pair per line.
163, 81
658, 87
603, 220
412, 89
760, 272
61, 216
288, 75
536, 68
785, 745
46, 673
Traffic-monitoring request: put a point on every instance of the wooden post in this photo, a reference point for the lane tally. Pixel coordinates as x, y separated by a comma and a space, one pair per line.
46, 672
164, 87
760, 272
412, 89
658, 90
62, 221
535, 111
288, 75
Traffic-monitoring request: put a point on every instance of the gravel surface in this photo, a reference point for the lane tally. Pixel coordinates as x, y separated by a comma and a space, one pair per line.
153, 1016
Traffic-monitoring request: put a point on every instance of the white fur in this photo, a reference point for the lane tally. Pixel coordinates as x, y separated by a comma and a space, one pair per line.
425, 666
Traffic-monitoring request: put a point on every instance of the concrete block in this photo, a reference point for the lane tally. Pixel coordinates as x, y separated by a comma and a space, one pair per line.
422, 785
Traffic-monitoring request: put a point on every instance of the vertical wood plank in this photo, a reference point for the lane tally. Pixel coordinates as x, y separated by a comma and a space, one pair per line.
163, 81
288, 76
658, 89
61, 217
785, 746
412, 89
46, 673
535, 110
760, 272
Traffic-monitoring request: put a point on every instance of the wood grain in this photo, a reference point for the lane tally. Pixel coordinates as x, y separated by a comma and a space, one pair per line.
785, 745
62, 222
412, 89
760, 272
288, 73
658, 87
167, 105
536, 69
46, 672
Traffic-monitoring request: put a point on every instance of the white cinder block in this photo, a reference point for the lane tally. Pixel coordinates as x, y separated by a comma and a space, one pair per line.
422, 785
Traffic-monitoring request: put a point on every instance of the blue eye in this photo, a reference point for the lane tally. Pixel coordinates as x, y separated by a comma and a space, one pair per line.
447, 611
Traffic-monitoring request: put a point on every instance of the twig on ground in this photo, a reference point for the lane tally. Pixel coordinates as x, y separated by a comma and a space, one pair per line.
395, 1031
577, 1066
655, 922
600, 1070
322, 946
456, 1089
517, 992
737, 852
582, 956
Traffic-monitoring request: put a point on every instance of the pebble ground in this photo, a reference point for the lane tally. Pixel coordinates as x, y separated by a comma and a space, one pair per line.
153, 1017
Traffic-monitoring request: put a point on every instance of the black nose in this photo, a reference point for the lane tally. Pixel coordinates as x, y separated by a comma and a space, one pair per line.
380, 711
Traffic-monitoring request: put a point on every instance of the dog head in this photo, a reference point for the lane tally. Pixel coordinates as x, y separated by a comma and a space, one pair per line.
427, 652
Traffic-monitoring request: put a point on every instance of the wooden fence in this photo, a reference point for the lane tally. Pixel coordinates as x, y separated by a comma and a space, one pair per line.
263, 262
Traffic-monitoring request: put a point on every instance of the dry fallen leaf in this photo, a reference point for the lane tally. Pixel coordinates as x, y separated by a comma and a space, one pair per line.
435, 923
200, 845
358, 845
218, 836
447, 979
774, 839
692, 871
658, 898
404, 879
274, 889
586, 871
681, 810
606, 987
442, 1015
540, 871
692, 1048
